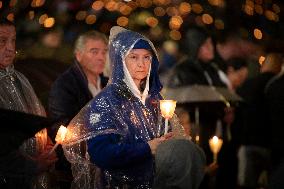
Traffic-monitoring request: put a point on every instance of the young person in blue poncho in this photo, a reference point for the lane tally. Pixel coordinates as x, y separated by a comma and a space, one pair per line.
121, 128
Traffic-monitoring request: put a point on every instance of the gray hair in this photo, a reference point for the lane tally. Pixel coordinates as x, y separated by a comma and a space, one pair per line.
81, 40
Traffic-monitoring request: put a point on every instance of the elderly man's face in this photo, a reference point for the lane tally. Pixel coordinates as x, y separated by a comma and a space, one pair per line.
93, 57
7, 45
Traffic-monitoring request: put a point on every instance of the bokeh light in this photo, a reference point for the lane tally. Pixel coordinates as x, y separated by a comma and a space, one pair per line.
37, 3
49, 22
219, 3
207, 19
175, 22
111, 5
197, 8
159, 11
91, 19
175, 35
42, 18
270, 15
98, 5
81, 15
11, 17
161, 2
141, 17
125, 9
184, 8
248, 9
257, 33
258, 9
152, 21
144, 3
122, 21
261, 60
172, 11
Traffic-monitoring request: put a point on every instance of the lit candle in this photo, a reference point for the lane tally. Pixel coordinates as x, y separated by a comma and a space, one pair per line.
60, 136
215, 145
167, 109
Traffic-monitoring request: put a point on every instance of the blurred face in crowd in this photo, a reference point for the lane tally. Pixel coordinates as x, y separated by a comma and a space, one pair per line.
7, 45
237, 77
138, 63
92, 57
206, 51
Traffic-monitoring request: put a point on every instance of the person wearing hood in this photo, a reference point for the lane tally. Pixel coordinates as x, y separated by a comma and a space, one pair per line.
199, 66
122, 125
179, 164
24, 166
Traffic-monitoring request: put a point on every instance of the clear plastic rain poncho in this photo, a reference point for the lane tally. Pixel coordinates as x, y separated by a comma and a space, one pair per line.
16, 93
116, 110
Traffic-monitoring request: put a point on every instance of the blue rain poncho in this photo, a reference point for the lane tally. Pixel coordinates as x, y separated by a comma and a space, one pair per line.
106, 142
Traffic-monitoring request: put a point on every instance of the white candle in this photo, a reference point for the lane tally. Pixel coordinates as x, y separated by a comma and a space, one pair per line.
167, 109
60, 136
215, 145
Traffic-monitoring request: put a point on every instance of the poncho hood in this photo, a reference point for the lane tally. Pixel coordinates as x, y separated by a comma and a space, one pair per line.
120, 43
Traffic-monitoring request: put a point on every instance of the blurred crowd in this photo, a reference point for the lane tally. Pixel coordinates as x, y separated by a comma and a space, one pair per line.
65, 78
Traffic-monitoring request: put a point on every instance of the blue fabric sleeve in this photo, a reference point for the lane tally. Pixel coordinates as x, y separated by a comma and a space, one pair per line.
107, 152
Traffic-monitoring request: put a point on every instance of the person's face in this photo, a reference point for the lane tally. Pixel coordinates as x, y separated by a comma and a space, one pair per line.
7, 45
237, 77
242, 75
206, 51
92, 57
138, 63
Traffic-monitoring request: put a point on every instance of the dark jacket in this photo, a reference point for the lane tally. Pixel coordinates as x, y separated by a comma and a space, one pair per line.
254, 111
195, 73
275, 100
69, 94
192, 70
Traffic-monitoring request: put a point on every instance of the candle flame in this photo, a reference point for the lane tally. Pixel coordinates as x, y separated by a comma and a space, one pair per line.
215, 140
61, 133
215, 144
167, 108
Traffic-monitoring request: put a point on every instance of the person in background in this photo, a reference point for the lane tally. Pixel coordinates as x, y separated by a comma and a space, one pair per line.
254, 155
169, 56
236, 73
73, 89
179, 164
82, 81
21, 168
199, 67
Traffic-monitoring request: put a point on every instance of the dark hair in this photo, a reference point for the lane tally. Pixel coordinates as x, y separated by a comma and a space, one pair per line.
194, 38
237, 63
6, 22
